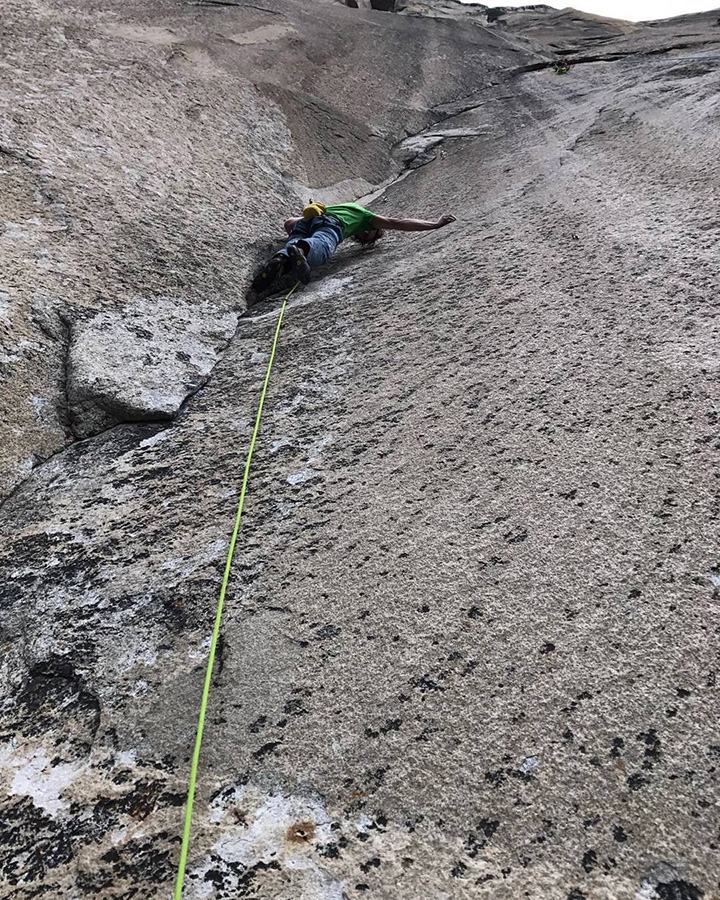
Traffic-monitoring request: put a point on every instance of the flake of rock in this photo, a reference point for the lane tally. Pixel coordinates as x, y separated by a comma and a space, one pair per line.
140, 362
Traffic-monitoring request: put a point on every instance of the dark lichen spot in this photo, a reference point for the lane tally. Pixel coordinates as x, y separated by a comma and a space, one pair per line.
635, 782
327, 631
373, 863
475, 841
266, 748
495, 778
373, 780
458, 870
619, 834
425, 683
390, 725
589, 860
245, 882
294, 708
547, 647
678, 890
488, 827
652, 749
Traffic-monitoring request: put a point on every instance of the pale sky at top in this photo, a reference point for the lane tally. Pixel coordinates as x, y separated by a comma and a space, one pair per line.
632, 10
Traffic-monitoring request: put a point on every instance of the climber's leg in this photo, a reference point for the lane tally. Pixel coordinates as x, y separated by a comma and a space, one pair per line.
317, 240
311, 243
279, 264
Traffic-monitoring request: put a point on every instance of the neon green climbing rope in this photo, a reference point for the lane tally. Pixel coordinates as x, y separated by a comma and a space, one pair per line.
218, 618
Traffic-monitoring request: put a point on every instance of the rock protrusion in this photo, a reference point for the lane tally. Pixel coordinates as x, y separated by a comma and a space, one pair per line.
140, 363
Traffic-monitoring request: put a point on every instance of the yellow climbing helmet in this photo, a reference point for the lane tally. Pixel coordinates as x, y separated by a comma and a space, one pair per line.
314, 209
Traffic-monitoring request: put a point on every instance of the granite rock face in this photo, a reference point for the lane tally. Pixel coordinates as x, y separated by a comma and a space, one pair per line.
469, 642
141, 363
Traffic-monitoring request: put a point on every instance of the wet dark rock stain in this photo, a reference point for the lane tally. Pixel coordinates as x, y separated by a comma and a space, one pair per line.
38, 846
678, 890
425, 683
373, 863
576, 894
270, 747
245, 885
476, 840
52, 691
652, 751
390, 725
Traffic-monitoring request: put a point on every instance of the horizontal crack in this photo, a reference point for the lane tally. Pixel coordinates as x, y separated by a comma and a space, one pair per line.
272, 12
65, 416
70, 447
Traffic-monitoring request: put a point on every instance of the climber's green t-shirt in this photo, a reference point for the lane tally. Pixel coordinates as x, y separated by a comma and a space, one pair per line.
354, 217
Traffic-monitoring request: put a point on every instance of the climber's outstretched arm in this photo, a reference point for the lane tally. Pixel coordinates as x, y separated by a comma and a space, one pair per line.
410, 224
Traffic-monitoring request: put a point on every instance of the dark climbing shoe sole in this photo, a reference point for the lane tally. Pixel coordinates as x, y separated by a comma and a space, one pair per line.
269, 272
299, 267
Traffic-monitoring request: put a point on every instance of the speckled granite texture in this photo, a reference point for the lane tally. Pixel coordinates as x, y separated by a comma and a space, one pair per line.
470, 645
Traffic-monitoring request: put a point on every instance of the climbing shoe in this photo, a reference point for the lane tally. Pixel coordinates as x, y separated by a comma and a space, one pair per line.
299, 267
269, 272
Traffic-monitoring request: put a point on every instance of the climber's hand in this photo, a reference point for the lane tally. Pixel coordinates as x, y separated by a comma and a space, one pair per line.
445, 220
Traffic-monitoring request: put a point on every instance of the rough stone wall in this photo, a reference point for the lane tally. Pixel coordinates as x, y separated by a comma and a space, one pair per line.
151, 151
469, 647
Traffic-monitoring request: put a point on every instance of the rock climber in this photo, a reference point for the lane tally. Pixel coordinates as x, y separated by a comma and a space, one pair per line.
314, 236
